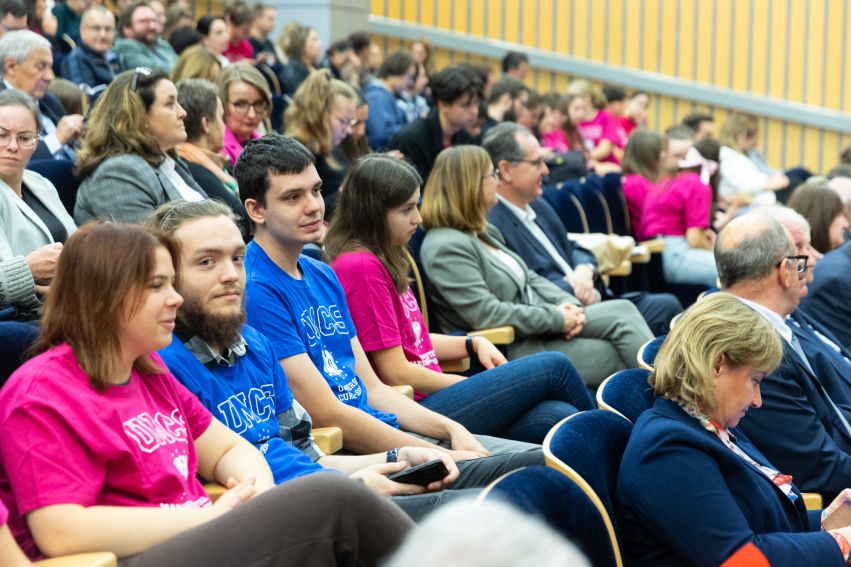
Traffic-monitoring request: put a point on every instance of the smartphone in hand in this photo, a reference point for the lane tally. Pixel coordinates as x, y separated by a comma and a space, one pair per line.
421, 475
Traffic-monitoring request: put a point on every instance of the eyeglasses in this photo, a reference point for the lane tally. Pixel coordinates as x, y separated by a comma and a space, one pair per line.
536, 162
800, 262
494, 174
26, 140
350, 122
143, 71
261, 107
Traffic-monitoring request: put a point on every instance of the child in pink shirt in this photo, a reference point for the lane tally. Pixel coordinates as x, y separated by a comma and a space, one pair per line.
642, 164
367, 241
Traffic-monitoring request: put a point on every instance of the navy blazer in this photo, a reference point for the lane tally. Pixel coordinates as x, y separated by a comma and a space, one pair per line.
796, 427
51, 107
524, 243
687, 499
829, 299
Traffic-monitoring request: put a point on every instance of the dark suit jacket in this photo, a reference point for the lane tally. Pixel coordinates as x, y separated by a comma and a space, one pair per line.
422, 140
796, 427
51, 107
829, 299
687, 499
521, 240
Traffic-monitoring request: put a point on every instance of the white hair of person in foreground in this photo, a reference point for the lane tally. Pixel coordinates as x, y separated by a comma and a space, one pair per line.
485, 534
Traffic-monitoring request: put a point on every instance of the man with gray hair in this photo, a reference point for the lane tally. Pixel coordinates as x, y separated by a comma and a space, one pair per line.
27, 62
93, 64
802, 424
531, 227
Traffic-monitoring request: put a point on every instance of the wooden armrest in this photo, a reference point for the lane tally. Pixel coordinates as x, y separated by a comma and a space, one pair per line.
100, 559
641, 258
456, 365
623, 270
214, 490
656, 246
329, 439
812, 500
497, 335
406, 390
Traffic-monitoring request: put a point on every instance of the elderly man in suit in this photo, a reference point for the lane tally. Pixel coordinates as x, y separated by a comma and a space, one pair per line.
802, 425
531, 227
27, 62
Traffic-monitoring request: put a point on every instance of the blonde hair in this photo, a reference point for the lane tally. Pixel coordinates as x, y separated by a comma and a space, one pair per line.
242, 72
453, 195
717, 326
308, 118
196, 62
581, 87
737, 124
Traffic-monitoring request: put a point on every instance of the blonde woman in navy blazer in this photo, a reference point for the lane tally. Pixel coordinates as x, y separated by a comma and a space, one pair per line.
691, 488
33, 221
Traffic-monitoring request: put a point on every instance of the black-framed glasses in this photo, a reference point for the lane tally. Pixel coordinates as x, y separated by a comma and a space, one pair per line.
144, 72
536, 162
800, 262
261, 107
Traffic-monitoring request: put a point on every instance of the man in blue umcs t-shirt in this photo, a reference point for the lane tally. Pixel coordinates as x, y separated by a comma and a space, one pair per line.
300, 306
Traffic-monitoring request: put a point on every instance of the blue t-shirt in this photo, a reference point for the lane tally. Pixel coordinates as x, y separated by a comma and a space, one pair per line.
247, 397
310, 316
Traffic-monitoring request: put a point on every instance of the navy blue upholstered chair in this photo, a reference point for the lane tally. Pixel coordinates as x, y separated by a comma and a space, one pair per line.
565, 200
626, 393
560, 502
596, 209
588, 447
60, 172
15, 339
649, 350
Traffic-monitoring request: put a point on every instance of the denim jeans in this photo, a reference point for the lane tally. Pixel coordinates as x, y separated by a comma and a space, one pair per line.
520, 400
686, 265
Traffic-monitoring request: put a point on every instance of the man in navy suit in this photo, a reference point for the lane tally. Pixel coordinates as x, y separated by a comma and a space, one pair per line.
27, 65
531, 227
829, 300
803, 424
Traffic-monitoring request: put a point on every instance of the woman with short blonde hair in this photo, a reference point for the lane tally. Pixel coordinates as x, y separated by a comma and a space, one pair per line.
687, 449
247, 103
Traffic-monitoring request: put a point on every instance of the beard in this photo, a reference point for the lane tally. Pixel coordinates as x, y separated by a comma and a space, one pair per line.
218, 331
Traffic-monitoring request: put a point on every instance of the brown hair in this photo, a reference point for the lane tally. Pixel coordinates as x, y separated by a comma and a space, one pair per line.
819, 205
738, 124
103, 264
642, 154
453, 194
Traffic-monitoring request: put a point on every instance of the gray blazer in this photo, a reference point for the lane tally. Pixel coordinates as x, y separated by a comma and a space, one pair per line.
470, 289
127, 189
21, 232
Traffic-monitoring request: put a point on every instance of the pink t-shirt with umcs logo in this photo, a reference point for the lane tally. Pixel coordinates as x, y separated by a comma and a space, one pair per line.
64, 442
383, 317
604, 126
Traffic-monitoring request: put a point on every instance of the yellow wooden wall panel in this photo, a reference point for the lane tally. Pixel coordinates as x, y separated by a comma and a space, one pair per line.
477, 17
812, 149
795, 62
650, 51
579, 28
597, 15
830, 152
759, 54
444, 14
494, 27
705, 43
667, 37
632, 34
615, 33
686, 48
773, 146
409, 11
532, 22
460, 16
426, 12
545, 29
561, 17
394, 9
814, 80
835, 32
511, 20
723, 48
377, 7
740, 52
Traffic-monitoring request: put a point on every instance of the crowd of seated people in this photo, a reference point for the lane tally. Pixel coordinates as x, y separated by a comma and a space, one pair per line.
195, 337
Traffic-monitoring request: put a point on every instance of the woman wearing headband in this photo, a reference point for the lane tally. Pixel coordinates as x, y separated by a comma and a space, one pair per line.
679, 210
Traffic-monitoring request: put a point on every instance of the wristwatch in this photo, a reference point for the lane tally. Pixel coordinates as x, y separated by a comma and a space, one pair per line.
393, 455
471, 349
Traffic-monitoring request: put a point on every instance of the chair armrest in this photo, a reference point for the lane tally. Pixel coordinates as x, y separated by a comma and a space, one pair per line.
405, 390
497, 335
655, 246
329, 439
100, 559
812, 500
640, 255
456, 366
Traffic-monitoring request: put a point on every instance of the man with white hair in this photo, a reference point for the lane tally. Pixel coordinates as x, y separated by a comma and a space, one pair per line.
27, 65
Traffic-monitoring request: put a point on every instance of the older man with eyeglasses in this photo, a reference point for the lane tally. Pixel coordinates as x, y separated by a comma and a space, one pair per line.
27, 61
142, 44
93, 64
804, 423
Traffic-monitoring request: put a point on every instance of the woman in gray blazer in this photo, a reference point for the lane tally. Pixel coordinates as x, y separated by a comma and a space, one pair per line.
477, 282
33, 222
127, 164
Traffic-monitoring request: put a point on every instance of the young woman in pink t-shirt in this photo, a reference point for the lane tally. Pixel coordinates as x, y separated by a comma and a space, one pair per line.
101, 447
642, 168
600, 130
679, 210
367, 244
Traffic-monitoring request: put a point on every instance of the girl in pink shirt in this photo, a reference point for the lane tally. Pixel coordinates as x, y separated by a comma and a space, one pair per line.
551, 126
101, 447
367, 244
680, 210
600, 130
642, 166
